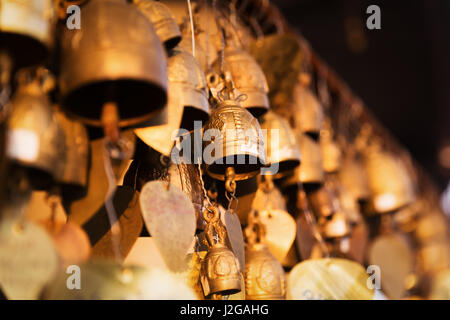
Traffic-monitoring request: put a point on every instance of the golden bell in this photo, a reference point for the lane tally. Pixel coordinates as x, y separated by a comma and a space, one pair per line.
331, 154
390, 185
281, 146
75, 173
248, 78
26, 30
106, 62
264, 275
220, 272
310, 171
235, 140
187, 102
309, 112
35, 139
353, 178
187, 79
163, 21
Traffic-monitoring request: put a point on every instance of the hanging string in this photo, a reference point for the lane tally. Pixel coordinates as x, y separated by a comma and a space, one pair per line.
191, 18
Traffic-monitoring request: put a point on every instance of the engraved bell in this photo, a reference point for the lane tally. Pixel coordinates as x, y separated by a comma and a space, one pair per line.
187, 102
26, 30
390, 184
248, 78
264, 274
75, 173
233, 138
219, 272
163, 21
115, 57
35, 139
281, 146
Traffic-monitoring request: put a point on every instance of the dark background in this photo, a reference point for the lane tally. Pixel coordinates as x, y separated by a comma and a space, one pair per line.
401, 72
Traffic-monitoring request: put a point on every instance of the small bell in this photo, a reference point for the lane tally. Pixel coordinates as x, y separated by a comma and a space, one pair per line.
233, 138
309, 115
219, 273
310, 171
281, 146
26, 30
187, 102
390, 184
323, 201
107, 66
331, 154
264, 275
335, 227
75, 173
35, 139
248, 78
353, 177
163, 21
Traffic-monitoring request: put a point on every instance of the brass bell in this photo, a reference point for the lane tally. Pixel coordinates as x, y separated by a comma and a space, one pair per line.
310, 171
264, 275
104, 62
335, 227
281, 147
35, 139
309, 115
163, 21
26, 30
187, 102
353, 178
75, 173
248, 78
390, 184
331, 153
233, 138
220, 268
323, 201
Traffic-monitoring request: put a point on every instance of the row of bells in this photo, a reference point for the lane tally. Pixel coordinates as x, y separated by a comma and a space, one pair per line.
149, 72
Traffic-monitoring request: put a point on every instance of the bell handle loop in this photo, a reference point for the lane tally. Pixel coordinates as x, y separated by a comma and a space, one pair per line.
211, 214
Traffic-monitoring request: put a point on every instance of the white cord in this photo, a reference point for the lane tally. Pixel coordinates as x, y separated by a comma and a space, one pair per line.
192, 26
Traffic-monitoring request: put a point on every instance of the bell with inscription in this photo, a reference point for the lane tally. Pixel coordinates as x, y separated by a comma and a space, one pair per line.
111, 73
163, 21
233, 138
264, 275
248, 78
35, 138
26, 30
281, 147
219, 274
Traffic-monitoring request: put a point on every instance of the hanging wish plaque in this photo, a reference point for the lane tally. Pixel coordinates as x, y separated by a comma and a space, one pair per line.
28, 259
170, 219
234, 234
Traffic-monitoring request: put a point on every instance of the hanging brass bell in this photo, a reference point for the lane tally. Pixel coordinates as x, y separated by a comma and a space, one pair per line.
390, 184
309, 115
163, 21
335, 227
104, 62
26, 30
35, 139
331, 153
233, 138
248, 78
323, 201
187, 102
74, 176
280, 145
264, 275
353, 178
219, 272
310, 171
